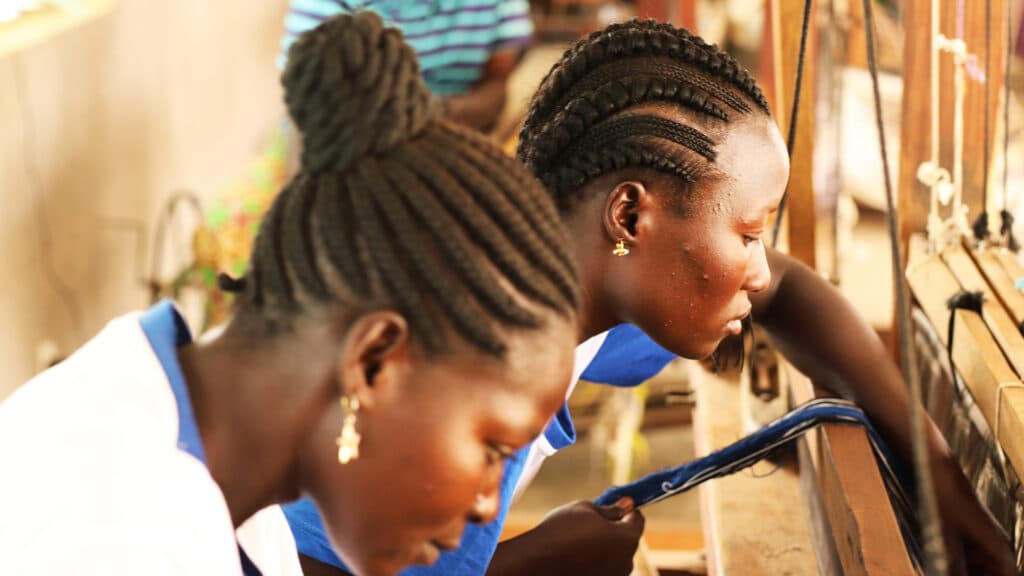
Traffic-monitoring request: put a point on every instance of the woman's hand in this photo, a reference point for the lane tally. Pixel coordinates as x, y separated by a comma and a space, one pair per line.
578, 538
975, 544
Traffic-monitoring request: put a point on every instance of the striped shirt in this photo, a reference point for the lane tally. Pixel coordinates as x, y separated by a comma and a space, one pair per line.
454, 39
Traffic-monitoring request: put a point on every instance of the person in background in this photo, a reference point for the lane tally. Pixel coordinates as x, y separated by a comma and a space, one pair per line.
406, 325
466, 48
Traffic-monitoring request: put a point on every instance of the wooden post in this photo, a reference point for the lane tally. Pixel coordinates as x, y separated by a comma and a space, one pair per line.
974, 114
787, 16
915, 140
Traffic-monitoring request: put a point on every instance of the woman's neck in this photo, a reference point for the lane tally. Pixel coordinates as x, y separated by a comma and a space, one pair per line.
254, 403
597, 313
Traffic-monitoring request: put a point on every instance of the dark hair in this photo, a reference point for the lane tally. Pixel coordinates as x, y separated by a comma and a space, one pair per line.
395, 208
578, 126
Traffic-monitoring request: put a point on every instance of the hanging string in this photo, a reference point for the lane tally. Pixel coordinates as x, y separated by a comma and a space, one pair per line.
930, 173
791, 136
934, 547
981, 229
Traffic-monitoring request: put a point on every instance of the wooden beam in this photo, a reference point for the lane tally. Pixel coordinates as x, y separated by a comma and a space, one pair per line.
863, 527
787, 16
1003, 328
991, 263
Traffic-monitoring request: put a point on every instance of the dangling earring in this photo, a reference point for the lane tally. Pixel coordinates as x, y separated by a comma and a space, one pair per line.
348, 440
620, 248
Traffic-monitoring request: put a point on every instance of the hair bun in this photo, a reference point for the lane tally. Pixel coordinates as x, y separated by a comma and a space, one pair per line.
353, 87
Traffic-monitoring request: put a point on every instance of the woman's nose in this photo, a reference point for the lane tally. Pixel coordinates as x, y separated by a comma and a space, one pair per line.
485, 508
759, 276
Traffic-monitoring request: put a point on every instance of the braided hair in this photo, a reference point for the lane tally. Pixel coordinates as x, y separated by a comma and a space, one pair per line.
395, 208
580, 124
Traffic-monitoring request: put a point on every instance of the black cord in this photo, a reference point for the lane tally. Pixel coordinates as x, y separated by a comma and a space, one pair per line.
43, 229
981, 229
791, 136
934, 546
962, 300
1007, 227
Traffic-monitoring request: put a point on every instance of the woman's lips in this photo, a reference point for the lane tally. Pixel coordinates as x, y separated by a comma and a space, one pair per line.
734, 326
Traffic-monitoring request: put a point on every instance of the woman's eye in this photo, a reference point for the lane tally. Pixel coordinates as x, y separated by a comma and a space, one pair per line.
748, 239
497, 454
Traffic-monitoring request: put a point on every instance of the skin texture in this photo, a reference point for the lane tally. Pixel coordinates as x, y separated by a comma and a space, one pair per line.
435, 431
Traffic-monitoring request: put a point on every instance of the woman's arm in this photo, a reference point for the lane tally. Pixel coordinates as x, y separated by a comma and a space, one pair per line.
481, 107
820, 332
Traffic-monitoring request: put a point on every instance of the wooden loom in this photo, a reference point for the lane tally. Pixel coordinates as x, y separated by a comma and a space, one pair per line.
984, 422
853, 529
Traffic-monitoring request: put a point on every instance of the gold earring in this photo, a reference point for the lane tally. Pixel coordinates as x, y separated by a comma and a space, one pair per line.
620, 248
348, 440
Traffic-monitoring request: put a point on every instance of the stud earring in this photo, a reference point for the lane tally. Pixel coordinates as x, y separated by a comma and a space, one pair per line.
348, 440
620, 248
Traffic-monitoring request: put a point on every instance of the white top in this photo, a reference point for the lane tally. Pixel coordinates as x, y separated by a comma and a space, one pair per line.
542, 448
93, 481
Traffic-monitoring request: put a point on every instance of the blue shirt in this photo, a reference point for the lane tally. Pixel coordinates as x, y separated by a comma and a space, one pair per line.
453, 39
626, 358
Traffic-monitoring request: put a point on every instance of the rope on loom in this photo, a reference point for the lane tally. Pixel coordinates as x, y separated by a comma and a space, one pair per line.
962, 300
934, 547
791, 136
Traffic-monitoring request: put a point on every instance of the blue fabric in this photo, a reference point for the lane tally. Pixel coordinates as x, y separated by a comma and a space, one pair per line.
749, 450
744, 452
561, 432
469, 559
628, 357
166, 331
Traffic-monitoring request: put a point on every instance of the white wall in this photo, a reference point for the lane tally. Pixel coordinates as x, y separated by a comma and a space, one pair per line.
153, 97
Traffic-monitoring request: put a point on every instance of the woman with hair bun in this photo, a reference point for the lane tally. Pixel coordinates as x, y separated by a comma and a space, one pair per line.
407, 322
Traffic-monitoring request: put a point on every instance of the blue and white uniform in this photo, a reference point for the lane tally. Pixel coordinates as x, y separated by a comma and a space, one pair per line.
622, 356
104, 471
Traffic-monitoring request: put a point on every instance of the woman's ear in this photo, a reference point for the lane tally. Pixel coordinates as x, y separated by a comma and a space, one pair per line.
622, 210
374, 353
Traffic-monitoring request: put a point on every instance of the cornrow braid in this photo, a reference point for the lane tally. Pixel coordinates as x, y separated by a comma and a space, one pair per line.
579, 124
623, 127
580, 169
511, 216
666, 72
529, 204
393, 207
